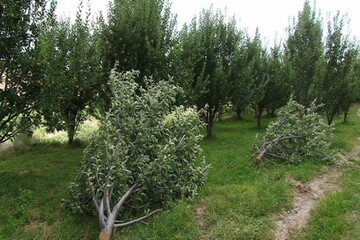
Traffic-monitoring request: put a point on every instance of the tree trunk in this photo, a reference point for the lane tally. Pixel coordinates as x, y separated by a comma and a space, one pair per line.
71, 128
330, 118
258, 119
210, 123
209, 130
71, 135
106, 233
346, 111
107, 222
238, 113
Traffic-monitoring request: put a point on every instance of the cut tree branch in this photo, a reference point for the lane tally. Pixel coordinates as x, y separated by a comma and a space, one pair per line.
268, 145
137, 220
122, 200
101, 215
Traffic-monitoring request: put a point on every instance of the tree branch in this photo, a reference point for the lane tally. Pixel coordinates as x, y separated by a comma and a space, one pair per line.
107, 189
107, 195
268, 145
122, 200
137, 220
101, 215
95, 203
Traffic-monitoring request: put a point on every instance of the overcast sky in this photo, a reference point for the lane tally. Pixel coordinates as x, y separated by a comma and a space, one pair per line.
271, 17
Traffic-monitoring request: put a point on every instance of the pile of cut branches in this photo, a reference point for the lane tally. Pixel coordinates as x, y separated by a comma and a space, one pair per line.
297, 135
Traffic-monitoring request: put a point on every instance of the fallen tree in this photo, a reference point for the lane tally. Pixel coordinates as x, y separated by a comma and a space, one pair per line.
297, 135
144, 157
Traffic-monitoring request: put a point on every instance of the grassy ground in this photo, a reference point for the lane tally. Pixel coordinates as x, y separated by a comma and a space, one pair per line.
338, 216
237, 202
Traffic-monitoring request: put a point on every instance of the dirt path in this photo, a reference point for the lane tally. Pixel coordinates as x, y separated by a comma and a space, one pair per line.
307, 196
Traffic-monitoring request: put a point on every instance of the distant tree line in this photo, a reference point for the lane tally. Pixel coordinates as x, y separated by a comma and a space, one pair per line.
55, 72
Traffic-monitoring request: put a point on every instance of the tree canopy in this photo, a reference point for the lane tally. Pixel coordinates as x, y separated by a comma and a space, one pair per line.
140, 36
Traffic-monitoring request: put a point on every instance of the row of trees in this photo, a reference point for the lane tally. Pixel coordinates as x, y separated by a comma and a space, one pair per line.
56, 71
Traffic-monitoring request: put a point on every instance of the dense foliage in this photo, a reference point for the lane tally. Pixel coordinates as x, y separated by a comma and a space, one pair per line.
140, 36
20, 24
145, 155
297, 135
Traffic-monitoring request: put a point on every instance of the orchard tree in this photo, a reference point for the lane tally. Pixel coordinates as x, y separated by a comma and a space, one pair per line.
279, 90
240, 77
340, 54
304, 50
20, 25
140, 36
257, 78
352, 90
72, 73
259, 84
206, 49
145, 156
99, 31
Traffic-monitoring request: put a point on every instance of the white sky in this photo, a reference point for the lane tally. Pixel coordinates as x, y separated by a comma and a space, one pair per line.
270, 16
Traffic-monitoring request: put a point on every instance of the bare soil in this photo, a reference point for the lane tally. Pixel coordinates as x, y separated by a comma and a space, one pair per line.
200, 215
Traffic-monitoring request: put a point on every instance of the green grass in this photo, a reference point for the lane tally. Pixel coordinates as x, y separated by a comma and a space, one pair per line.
237, 202
33, 184
347, 134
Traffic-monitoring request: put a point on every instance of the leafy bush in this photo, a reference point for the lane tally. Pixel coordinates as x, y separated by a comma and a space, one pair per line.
297, 135
145, 155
